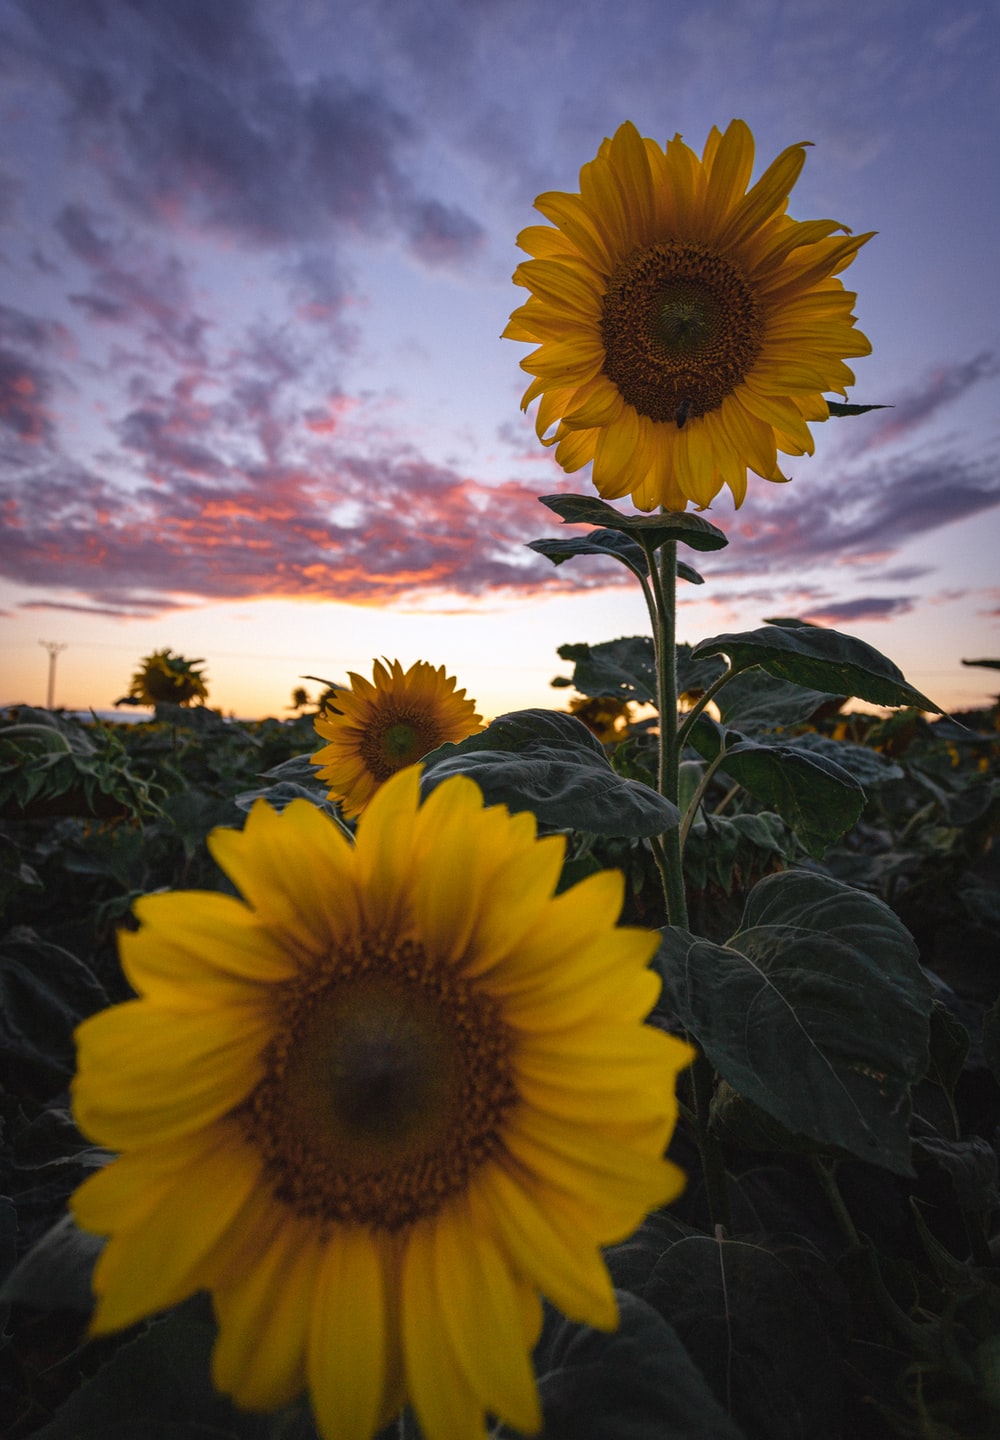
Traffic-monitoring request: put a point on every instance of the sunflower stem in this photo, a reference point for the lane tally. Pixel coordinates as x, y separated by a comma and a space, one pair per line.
668, 853
663, 581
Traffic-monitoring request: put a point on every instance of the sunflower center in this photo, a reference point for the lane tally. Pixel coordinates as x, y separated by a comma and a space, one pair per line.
398, 737
386, 1086
681, 327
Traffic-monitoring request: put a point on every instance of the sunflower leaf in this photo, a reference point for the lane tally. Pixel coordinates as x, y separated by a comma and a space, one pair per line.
654, 530
638, 1383
762, 1329
816, 1010
550, 763
607, 542
760, 704
816, 797
823, 659
623, 669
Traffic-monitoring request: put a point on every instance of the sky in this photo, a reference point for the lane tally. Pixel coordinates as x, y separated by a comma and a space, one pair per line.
255, 261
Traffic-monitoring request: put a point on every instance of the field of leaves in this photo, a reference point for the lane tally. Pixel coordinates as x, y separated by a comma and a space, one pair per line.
855, 1289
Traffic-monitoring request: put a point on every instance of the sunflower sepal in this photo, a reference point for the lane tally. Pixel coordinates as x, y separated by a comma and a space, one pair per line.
548, 762
826, 660
838, 409
652, 531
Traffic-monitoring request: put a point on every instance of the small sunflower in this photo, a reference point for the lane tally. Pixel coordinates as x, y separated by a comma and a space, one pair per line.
687, 327
164, 676
382, 725
376, 1107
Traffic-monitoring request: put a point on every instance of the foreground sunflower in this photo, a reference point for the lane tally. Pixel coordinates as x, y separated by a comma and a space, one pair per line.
377, 1106
687, 327
385, 724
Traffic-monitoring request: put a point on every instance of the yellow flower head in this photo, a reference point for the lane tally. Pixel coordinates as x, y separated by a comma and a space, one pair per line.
385, 724
686, 326
164, 676
376, 1107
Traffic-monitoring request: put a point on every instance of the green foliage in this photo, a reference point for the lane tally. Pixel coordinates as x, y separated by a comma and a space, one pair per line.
854, 1070
816, 1010
551, 764
52, 765
652, 531
823, 659
613, 543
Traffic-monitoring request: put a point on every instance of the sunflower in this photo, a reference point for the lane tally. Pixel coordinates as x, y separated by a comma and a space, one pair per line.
376, 1107
686, 326
381, 726
164, 676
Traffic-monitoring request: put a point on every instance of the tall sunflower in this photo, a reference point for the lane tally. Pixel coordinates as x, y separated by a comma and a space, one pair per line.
686, 326
377, 1106
382, 725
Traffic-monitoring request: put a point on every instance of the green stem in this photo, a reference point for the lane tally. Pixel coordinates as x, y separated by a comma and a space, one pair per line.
667, 847
663, 585
826, 1174
699, 705
698, 796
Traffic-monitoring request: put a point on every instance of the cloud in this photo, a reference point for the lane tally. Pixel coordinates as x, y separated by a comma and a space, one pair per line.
860, 516
26, 379
937, 388
194, 117
362, 529
869, 607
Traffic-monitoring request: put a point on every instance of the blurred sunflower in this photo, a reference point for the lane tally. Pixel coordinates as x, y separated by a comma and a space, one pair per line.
380, 726
377, 1106
166, 677
686, 325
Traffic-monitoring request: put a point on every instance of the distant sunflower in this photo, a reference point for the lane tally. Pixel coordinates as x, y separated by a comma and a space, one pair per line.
164, 676
376, 1107
382, 727
687, 327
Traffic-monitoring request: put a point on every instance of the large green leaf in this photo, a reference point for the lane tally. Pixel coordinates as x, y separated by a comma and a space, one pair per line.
816, 1010
654, 530
757, 1333
761, 704
638, 1383
550, 763
606, 542
624, 669
816, 797
869, 767
822, 659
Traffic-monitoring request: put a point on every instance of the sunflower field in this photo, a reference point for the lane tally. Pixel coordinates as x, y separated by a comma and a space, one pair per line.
629, 1071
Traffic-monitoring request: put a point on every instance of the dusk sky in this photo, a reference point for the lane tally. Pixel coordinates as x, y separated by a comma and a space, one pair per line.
255, 259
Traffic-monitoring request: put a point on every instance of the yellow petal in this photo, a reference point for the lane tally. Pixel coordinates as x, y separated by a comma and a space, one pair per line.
200, 947
170, 1255
260, 1354
565, 1264
146, 1073
728, 177
347, 1337
447, 1407
478, 1300
294, 869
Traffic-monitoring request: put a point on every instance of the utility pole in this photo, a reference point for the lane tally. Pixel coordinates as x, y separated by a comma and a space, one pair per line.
53, 647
